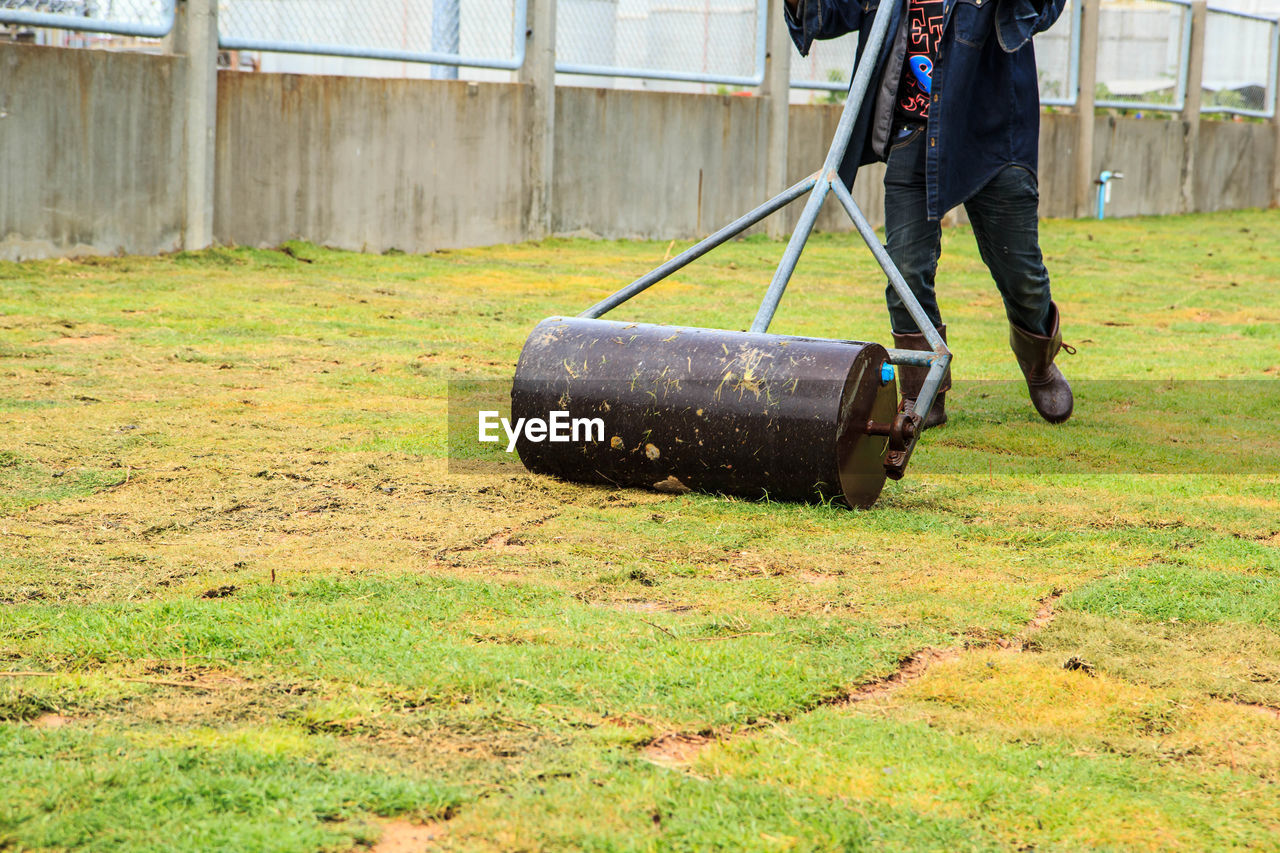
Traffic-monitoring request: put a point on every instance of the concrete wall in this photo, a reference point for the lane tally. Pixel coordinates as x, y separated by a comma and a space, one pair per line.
810, 128
1057, 164
657, 165
1233, 165
92, 152
1149, 152
369, 164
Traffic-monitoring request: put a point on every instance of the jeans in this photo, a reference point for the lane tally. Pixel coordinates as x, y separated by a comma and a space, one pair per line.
1005, 224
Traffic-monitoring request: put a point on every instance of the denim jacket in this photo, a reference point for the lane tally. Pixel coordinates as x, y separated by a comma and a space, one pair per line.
985, 108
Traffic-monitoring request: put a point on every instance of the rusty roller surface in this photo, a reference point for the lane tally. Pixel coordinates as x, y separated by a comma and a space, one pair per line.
713, 411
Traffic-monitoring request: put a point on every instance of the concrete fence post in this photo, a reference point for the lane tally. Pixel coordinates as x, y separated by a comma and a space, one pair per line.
776, 91
1088, 82
1275, 127
1191, 105
195, 36
539, 74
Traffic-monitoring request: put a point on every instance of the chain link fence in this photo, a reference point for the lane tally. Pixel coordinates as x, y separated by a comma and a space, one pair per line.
697, 41
1143, 45
479, 33
1240, 57
829, 65
1058, 58
49, 21
1143, 49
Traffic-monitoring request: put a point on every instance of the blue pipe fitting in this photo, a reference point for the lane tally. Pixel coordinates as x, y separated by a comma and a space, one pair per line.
1104, 190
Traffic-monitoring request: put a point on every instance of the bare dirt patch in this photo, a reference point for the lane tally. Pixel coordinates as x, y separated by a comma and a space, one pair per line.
507, 539
681, 749
400, 836
916, 665
182, 674
753, 564
80, 341
677, 749
911, 668
641, 605
1044, 615
51, 721
1267, 711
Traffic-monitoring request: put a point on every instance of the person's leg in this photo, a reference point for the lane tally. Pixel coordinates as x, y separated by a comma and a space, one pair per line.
913, 243
1006, 223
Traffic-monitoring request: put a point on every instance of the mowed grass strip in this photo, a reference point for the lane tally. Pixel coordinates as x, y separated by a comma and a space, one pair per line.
1176, 594
454, 643
234, 553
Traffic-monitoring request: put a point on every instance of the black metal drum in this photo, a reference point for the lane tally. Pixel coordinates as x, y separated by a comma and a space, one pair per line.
677, 409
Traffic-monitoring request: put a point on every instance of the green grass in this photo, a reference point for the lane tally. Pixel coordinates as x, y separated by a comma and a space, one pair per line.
1166, 593
249, 601
508, 648
111, 791
23, 484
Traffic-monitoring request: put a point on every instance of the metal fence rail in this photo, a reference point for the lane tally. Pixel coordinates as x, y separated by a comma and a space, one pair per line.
140, 18
477, 33
1241, 54
694, 41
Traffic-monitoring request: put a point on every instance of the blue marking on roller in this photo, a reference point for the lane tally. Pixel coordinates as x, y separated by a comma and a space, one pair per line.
886, 373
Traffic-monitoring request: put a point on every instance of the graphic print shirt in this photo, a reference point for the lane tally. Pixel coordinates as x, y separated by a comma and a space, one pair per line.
924, 33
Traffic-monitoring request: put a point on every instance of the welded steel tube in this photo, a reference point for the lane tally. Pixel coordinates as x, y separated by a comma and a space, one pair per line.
835, 154
941, 357
896, 280
791, 256
733, 229
929, 389
919, 358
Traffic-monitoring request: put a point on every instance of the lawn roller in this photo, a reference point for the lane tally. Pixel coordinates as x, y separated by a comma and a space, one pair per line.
675, 408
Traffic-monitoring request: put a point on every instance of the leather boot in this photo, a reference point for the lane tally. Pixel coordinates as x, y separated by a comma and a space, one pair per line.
1050, 393
911, 377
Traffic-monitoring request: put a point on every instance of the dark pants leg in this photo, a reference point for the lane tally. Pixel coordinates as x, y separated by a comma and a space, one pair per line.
913, 242
1005, 223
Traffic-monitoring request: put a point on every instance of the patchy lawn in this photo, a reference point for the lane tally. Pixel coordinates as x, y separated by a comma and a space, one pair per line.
246, 602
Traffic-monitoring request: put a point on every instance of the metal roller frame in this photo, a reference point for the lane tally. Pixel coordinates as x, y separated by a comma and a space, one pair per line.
817, 186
